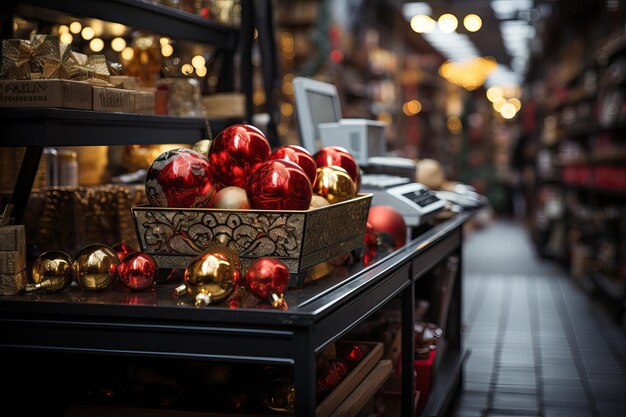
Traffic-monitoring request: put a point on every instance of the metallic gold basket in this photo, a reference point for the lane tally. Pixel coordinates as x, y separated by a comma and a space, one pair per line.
300, 239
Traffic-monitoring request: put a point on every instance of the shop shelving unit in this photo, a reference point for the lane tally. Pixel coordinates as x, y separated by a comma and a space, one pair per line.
319, 313
593, 207
36, 128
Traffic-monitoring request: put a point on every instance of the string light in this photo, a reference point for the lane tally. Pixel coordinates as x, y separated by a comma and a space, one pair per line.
494, 94
87, 33
201, 72
66, 37
516, 103
454, 125
508, 111
128, 53
447, 23
118, 44
164, 41
472, 22
198, 61
187, 69
412, 107
167, 50
96, 45
75, 27
423, 24
63, 29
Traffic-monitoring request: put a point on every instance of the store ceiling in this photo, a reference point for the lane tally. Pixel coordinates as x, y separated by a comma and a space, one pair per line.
506, 32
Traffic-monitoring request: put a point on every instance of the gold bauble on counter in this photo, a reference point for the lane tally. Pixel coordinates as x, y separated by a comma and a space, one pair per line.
212, 276
95, 267
318, 201
52, 271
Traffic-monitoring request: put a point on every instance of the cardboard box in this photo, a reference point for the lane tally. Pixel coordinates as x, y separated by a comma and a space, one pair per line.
144, 102
109, 99
224, 105
12, 238
12, 261
11, 284
46, 93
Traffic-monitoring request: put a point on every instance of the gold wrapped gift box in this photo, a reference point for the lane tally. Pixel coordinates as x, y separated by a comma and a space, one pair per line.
300, 239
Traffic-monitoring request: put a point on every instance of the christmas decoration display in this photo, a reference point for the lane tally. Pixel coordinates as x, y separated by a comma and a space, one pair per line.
300, 156
95, 267
318, 201
180, 178
137, 271
211, 277
231, 197
279, 184
268, 278
236, 152
389, 224
338, 156
334, 184
51, 271
122, 249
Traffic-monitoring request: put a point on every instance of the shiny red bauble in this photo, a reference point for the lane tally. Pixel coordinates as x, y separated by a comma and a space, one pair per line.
300, 156
180, 178
279, 184
236, 152
122, 249
370, 244
137, 271
266, 277
388, 224
338, 156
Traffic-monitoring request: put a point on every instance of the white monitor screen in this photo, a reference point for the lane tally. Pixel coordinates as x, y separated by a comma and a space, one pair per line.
316, 102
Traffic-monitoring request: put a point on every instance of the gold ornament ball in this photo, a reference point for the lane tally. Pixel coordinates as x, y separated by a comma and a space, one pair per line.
231, 197
318, 201
95, 267
52, 271
202, 146
212, 276
334, 184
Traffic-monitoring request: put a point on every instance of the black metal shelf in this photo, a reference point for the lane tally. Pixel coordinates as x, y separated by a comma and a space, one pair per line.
139, 14
67, 127
115, 323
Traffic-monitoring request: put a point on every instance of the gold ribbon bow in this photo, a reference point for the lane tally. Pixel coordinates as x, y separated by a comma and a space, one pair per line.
43, 56
92, 69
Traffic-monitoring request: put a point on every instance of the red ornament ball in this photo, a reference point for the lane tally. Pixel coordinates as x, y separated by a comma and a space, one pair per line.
389, 224
137, 271
180, 178
279, 184
122, 249
338, 156
267, 277
300, 156
236, 152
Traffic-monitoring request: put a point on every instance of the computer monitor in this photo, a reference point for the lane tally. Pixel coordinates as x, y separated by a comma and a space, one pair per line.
316, 102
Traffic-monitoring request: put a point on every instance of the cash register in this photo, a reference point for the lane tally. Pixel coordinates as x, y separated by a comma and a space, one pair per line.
388, 179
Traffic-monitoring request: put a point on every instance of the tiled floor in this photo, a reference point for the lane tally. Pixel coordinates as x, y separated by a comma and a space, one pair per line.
539, 345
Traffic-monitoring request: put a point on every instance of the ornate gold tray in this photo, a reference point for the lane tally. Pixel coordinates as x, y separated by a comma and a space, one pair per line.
300, 239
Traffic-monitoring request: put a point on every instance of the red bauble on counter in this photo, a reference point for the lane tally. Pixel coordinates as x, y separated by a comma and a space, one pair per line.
300, 156
180, 178
236, 152
389, 224
268, 278
279, 184
122, 249
137, 271
338, 156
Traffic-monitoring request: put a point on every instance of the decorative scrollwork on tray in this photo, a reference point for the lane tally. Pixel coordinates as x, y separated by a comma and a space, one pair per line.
190, 232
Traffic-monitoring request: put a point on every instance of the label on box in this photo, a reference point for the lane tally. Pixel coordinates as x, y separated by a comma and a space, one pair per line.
144, 102
12, 261
11, 284
113, 100
45, 93
12, 238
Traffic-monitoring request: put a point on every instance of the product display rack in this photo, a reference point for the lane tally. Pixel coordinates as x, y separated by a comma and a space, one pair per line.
319, 313
36, 128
